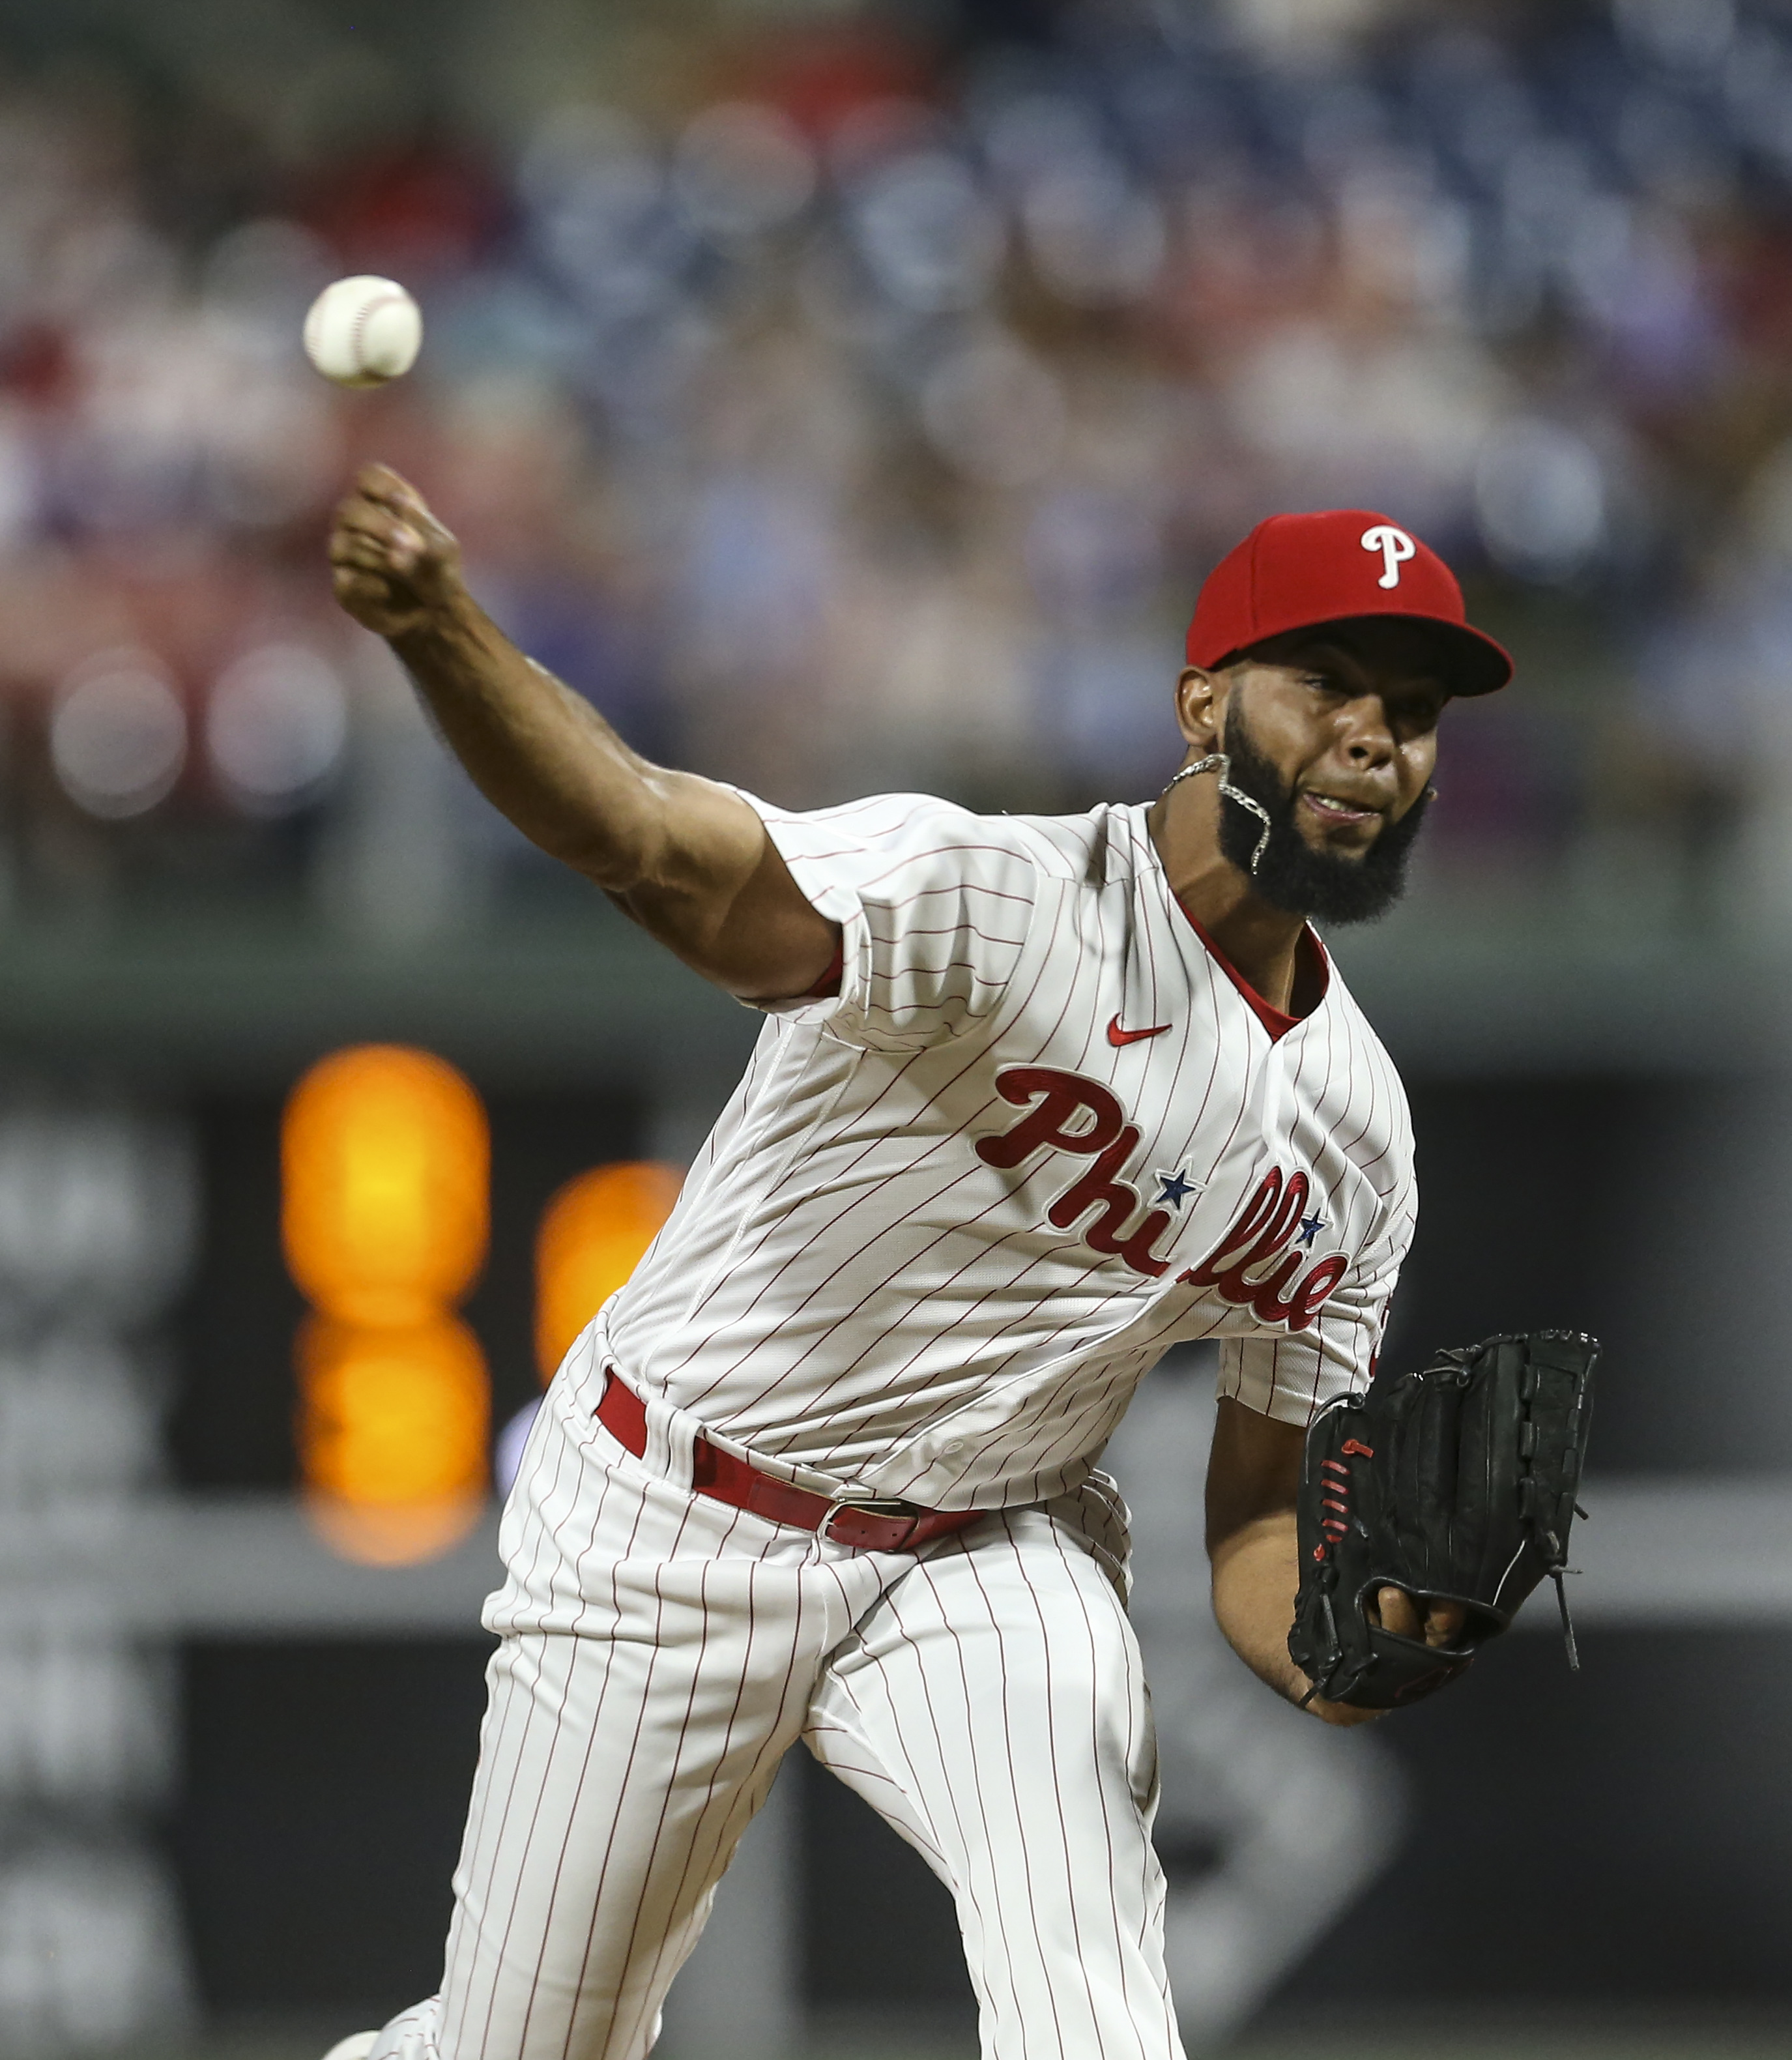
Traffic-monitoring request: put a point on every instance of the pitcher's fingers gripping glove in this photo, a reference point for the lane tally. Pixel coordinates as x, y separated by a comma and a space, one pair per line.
1456, 1484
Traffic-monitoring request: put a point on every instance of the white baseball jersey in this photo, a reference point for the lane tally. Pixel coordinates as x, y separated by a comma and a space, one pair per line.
954, 1213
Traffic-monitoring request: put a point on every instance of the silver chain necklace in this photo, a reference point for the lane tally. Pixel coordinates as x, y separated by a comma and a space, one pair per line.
1217, 761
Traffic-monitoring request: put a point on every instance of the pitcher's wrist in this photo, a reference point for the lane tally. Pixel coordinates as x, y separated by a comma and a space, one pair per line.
447, 627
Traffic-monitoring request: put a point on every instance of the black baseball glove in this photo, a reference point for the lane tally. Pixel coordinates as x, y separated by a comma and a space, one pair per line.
1456, 1484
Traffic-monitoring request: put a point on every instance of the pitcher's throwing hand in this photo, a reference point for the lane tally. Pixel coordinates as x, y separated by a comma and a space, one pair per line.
392, 563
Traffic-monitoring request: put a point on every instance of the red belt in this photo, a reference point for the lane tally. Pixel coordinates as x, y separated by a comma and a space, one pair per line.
863, 1526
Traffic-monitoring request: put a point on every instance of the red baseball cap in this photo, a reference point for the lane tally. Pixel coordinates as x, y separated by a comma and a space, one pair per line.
1298, 572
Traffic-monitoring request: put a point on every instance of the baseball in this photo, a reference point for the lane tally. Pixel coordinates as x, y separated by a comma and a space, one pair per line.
363, 331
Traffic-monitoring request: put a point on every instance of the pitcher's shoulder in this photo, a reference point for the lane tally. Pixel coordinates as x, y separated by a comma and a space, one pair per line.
1101, 846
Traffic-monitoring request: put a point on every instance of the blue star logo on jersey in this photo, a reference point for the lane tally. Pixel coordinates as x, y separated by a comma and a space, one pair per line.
1309, 1228
1176, 1188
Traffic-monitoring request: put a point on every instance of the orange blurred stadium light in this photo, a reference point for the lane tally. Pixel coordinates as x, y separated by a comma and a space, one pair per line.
386, 1156
394, 1433
593, 1234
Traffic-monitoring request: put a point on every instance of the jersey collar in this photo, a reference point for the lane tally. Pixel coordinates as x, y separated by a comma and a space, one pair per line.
1276, 1021
1316, 969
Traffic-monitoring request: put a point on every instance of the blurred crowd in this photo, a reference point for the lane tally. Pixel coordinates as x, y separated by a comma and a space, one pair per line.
868, 419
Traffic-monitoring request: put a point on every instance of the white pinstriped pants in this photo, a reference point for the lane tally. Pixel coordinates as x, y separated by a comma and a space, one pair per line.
661, 1652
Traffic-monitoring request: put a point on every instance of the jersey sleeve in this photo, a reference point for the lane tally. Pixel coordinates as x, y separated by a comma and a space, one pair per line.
933, 903
1292, 1378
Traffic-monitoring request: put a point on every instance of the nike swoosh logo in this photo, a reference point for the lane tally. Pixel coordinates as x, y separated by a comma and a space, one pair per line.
1118, 1037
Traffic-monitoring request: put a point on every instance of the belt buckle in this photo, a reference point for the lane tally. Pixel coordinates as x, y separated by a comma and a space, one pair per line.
892, 1506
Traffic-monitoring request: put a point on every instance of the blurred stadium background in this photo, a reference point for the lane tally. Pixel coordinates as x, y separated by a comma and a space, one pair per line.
848, 397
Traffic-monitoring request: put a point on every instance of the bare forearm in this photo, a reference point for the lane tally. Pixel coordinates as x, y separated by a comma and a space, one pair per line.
537, 751
687, 859
1252, 1478
1254, 1578
1256, 1575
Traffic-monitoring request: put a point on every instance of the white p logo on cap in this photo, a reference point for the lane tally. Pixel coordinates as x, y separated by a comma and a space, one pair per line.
1395, 547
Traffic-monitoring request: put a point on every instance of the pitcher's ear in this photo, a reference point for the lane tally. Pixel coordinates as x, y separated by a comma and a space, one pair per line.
1201, 706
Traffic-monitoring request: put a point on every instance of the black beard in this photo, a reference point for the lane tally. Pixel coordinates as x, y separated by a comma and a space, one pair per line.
1291, 875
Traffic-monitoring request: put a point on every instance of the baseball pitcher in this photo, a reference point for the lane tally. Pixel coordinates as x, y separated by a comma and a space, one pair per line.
1035, 1099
